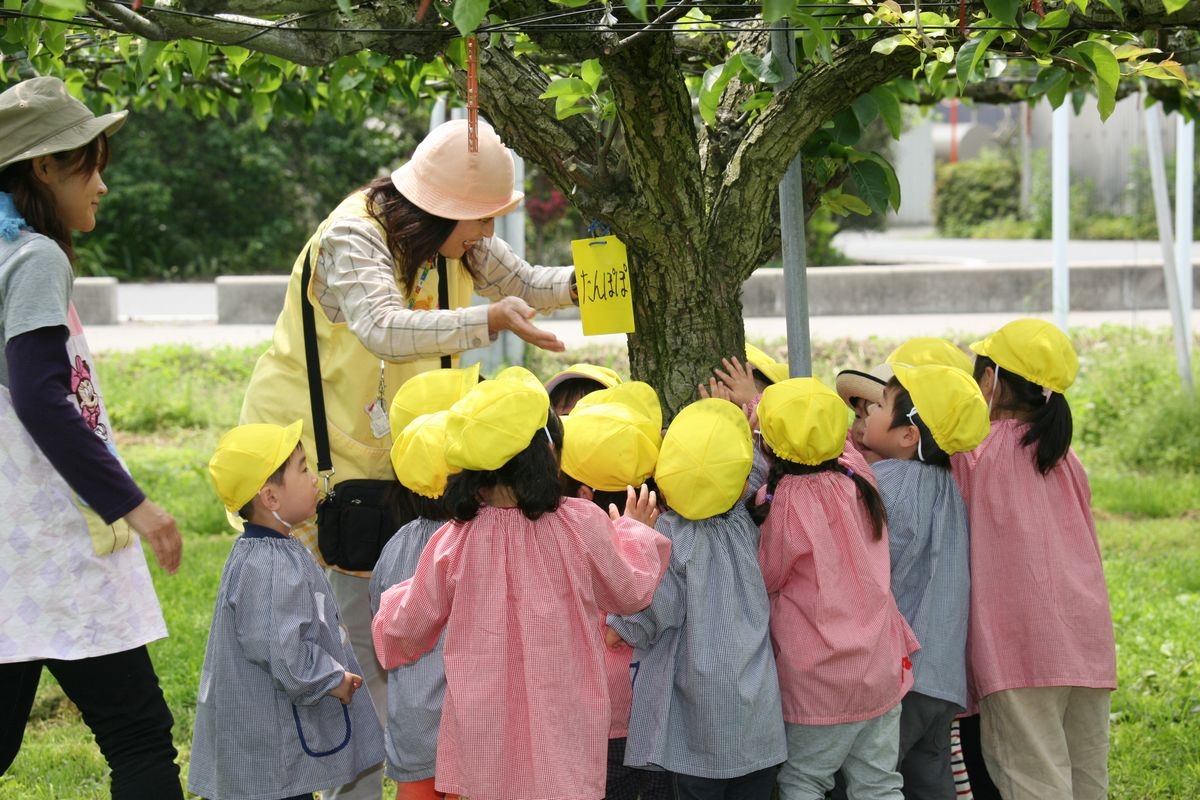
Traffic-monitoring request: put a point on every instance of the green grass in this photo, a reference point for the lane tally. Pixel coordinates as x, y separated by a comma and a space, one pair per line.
171, 404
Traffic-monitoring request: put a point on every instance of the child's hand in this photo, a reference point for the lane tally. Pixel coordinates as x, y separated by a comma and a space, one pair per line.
612, 639
346, 689
714, 389
738, 379
642, 507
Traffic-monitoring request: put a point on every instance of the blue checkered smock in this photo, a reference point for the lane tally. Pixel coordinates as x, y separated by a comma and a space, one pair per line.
705, 691
415, 691
265, 725
931, 570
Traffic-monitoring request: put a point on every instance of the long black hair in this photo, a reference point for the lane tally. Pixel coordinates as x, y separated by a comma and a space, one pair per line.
781, 467
531, 474
35, 202
902, 405
413, 234
1049, 417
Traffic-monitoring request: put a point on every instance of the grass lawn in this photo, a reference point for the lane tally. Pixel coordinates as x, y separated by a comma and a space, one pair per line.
172, 403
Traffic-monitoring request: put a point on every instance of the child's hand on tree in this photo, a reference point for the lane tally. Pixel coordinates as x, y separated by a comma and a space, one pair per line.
346, 689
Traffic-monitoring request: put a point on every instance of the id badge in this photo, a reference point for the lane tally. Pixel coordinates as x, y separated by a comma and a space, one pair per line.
379, 419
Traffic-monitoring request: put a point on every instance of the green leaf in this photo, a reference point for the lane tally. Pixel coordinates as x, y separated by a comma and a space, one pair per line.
592, 72
637, 8
1003, 10
970, 55
1103, 64
760, 68
872, 184
236, 56
566, 87
866, 110
775, 10
1057, 19
1057, 93
817, 41
888, 46
197, 55
1115, 7
716, 78
467, 14
1172, 6
1047, 79
344, 7
888, 103
846, 129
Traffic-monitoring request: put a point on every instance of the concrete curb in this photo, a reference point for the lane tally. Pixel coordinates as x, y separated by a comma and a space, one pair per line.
832, 291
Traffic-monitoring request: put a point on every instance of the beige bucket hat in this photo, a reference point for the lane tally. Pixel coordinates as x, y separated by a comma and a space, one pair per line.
448, 181
39, 117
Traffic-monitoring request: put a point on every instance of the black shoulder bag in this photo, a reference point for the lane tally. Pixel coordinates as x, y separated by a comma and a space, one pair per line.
356, 518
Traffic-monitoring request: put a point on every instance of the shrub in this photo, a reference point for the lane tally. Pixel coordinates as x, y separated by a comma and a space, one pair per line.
968, 193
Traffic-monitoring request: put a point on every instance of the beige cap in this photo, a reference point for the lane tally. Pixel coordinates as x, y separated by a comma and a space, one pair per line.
39, 117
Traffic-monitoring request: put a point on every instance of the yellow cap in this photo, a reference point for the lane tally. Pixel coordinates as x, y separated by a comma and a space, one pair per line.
419, 455
246, 456
771, 369
705, 459
496, 420
606, 447
1034, 349
803, 420
949, 402
930, 350
638, 396
429, 391
602, 375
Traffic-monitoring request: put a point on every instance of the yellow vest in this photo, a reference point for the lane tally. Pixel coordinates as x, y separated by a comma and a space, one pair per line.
278, 390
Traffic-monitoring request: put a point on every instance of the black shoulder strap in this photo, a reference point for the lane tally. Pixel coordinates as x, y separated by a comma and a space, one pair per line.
443, 297
312, 363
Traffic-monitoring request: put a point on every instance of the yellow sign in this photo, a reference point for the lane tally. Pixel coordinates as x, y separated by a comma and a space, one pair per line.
602, 279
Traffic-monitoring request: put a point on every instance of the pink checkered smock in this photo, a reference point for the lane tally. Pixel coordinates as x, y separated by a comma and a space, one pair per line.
841, 645
526, 713
1039, 604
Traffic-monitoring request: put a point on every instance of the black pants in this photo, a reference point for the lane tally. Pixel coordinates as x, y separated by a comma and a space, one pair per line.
981, 783
120, 700
755, 786
925, 747
631, 783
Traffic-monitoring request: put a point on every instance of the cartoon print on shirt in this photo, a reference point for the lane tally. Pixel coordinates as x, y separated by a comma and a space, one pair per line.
86, 397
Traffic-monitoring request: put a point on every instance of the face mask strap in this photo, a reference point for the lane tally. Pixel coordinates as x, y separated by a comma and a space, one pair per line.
912, 412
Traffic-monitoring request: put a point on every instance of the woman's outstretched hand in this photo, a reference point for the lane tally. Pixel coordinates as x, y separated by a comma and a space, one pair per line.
514, 314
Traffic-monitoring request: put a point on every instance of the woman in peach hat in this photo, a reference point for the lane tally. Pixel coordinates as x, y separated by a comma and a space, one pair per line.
389, 275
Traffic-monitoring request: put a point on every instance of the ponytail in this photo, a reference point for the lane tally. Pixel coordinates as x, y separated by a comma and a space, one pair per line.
780, 467
1048, 415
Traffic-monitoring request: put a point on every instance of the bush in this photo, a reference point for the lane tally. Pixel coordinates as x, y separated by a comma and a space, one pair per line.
969, 193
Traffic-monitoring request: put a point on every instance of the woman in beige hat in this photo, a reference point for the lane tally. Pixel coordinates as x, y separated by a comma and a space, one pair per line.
75, 594
391, 273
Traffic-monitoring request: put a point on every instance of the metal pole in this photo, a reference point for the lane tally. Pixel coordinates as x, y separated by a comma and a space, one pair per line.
791, 225
1185, 171
1060, 176
1162, 213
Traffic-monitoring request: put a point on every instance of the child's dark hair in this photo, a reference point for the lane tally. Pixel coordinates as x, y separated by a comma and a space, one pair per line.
902, 405
413, 234
275, 479
408, 505
1049, 418
531, 474
35, 202
781, 467
569, 392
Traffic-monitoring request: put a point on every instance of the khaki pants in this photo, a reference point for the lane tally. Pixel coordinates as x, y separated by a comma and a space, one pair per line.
1047, 743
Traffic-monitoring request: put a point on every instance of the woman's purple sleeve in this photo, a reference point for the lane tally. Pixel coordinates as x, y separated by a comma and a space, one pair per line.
39, 381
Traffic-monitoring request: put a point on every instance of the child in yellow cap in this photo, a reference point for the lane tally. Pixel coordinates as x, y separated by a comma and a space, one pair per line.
1041, 646
417, 417
517, 579
706, 703
567, 386
609, 447
841, 644
926, 413
277, 714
